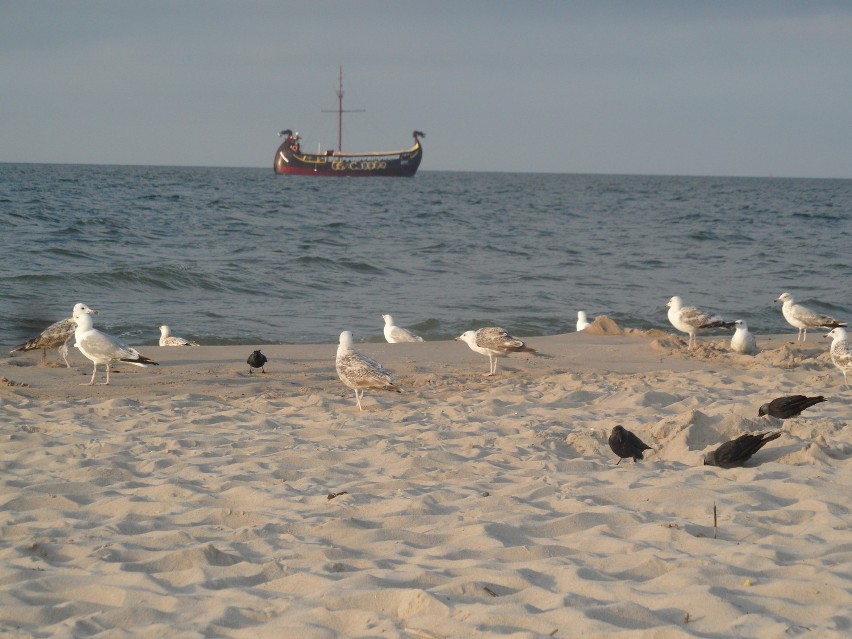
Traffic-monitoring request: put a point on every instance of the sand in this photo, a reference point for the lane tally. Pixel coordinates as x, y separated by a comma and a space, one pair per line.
195, 500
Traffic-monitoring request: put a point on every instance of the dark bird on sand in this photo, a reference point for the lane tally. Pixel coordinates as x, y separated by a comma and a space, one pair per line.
789, 406
256, 360
625, 444
738, 451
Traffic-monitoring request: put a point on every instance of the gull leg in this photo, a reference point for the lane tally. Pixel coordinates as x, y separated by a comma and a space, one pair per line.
43, 356
106, 383
63, 350
491, 366
358, 399
94, 372
618, 462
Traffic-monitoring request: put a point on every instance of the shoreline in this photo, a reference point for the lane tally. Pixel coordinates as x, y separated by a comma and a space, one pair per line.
194, 499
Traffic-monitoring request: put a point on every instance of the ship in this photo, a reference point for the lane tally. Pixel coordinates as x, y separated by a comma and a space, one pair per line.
290, 159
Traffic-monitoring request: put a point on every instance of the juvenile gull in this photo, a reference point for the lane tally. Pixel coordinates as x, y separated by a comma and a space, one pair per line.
582, 321
101, 348
804, 318
494, 342
789, 406
359, 372
690, 320
57, 335
625, 444
167, 339
841, 354
743, 341
738, 451
396, 334
256, 360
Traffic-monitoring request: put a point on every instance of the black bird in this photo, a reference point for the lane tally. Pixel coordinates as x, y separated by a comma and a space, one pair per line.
787, 407
625, 444
738, 451
256, 360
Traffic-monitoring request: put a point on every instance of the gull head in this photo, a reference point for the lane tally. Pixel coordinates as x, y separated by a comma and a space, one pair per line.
388, 319
741, 325
469, 337
346, 340
837, 334
165, 331
82, 309
675, 303
785, 297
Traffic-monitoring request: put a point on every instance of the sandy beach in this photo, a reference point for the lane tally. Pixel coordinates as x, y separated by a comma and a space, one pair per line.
193, 499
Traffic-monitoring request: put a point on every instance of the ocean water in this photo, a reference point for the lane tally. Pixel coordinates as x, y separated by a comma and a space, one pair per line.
243, 256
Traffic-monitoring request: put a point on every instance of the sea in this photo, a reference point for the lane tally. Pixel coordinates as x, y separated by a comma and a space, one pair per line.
244, 256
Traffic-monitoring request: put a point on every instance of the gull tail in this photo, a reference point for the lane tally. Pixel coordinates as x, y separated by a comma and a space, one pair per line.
139, 361
718, 324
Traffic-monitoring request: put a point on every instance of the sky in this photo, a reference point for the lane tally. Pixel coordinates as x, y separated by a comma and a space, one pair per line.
669, 87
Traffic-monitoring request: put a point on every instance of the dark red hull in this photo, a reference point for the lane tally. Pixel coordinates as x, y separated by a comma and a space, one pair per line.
289, 160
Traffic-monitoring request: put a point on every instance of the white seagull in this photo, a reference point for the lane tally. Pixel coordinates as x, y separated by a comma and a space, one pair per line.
804, 318
396, 334
359, 372
743, 341
582, 320
57, 335
690, 320
841, 354
494, 342
101, 348
167, 339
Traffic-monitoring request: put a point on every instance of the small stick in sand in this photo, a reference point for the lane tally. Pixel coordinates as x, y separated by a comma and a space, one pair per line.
333, 495
714, 520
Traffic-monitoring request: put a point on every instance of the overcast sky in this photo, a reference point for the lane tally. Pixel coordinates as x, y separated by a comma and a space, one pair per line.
707, 87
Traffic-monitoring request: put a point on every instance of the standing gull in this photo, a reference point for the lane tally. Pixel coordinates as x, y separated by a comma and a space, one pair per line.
582, 320
359, 372
57, 335
101, 348
690, 320
789, 406
804, 318
257, 360
494, 342
167, 339
738, 451
841, 354
743, 341
396, 334
625, 444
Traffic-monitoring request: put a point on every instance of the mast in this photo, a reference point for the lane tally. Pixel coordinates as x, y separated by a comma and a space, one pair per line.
340, 112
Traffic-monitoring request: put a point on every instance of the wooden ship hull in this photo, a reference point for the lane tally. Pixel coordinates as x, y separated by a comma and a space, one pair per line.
290, 160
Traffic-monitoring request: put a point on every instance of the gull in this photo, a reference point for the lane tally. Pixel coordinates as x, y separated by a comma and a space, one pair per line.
789, 406
582, 321
494, 342
690, 320
167, 339
625, 444
396, 334
359, 372
841, 354
804, 318
743, 341
101, 348
57, 335
738, 451
257, 360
